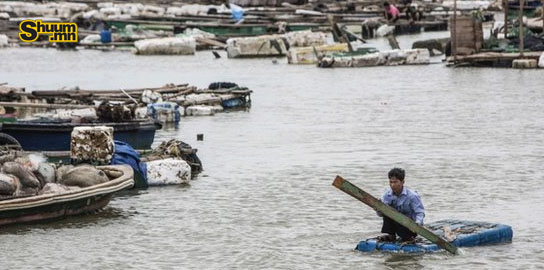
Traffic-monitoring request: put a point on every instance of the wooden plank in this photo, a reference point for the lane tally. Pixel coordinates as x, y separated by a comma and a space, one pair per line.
341, 36
392, 213
211, 42
45, 105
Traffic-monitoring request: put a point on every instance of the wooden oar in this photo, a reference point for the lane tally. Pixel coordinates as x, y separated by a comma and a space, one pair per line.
392, 213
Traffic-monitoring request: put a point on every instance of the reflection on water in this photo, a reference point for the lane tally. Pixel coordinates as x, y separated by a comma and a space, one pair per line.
471, 142
103, 217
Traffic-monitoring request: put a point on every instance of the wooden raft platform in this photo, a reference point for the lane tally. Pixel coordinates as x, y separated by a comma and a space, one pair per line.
490, 59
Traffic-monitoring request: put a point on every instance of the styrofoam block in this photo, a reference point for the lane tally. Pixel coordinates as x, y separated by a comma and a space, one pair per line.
168, 171
199, 110
92, 144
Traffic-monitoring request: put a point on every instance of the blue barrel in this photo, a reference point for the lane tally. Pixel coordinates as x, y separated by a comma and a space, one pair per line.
105, 36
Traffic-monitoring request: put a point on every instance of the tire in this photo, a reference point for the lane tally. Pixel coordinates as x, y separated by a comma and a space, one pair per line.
221, 85
6, 139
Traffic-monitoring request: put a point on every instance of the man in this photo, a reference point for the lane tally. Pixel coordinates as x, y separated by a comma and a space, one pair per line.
406, 202
392, 13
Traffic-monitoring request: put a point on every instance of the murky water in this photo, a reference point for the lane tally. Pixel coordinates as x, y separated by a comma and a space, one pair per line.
471, 141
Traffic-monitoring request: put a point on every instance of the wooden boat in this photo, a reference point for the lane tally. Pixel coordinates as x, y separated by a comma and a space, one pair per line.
55, 135
460, 233
73, 202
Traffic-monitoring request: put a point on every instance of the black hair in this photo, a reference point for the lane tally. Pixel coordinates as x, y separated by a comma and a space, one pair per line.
397, 173
385, 4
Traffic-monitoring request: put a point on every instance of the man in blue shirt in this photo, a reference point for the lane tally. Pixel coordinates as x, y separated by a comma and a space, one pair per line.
405, 201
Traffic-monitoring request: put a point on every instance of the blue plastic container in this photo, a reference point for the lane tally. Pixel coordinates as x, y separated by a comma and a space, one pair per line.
232, 103
468, 234
105, 36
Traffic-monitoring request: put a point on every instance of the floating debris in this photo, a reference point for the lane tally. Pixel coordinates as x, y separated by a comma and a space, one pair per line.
385, 58
167, 103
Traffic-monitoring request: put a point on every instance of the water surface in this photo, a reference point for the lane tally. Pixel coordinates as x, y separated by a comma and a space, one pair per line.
470, 139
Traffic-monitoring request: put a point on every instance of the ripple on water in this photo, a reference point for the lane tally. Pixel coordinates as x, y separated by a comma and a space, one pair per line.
469, 139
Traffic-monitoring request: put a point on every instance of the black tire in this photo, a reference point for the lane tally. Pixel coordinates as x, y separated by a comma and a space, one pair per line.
221, 85
6, 139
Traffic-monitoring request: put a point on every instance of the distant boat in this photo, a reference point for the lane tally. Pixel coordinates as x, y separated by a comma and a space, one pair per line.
460, 233
73, 202
55, 135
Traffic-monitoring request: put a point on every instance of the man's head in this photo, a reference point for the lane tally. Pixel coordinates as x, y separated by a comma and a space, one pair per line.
396, 180
386, 4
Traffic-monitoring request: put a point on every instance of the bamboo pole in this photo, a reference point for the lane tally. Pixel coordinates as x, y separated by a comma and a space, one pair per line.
506, 18
521, 43
454, 30
46, 106
159, 89
129, 96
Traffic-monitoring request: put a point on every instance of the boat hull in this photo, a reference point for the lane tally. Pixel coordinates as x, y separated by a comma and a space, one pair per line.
58, 205
54, 211
56, 136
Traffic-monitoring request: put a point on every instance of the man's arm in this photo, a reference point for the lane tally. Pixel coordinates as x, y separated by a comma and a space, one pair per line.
383, 201
419, 210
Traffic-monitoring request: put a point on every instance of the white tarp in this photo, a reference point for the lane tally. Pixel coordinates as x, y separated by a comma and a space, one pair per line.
541, 61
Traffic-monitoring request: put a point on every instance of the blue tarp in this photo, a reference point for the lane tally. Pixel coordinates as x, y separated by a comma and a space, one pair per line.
125, 154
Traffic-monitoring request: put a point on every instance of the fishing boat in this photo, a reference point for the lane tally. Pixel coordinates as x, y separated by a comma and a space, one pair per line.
71, 202
55, 135
460, 233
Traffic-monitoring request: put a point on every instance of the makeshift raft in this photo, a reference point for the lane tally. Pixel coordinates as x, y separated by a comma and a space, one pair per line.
311, 55
384, 58
492, 59
460, 233
166, 104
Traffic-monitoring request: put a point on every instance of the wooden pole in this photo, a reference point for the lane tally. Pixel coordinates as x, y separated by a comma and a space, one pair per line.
338, 33
45, 105
521, 43
506, 18
392, 213
454, 31
129, 96
542, 15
